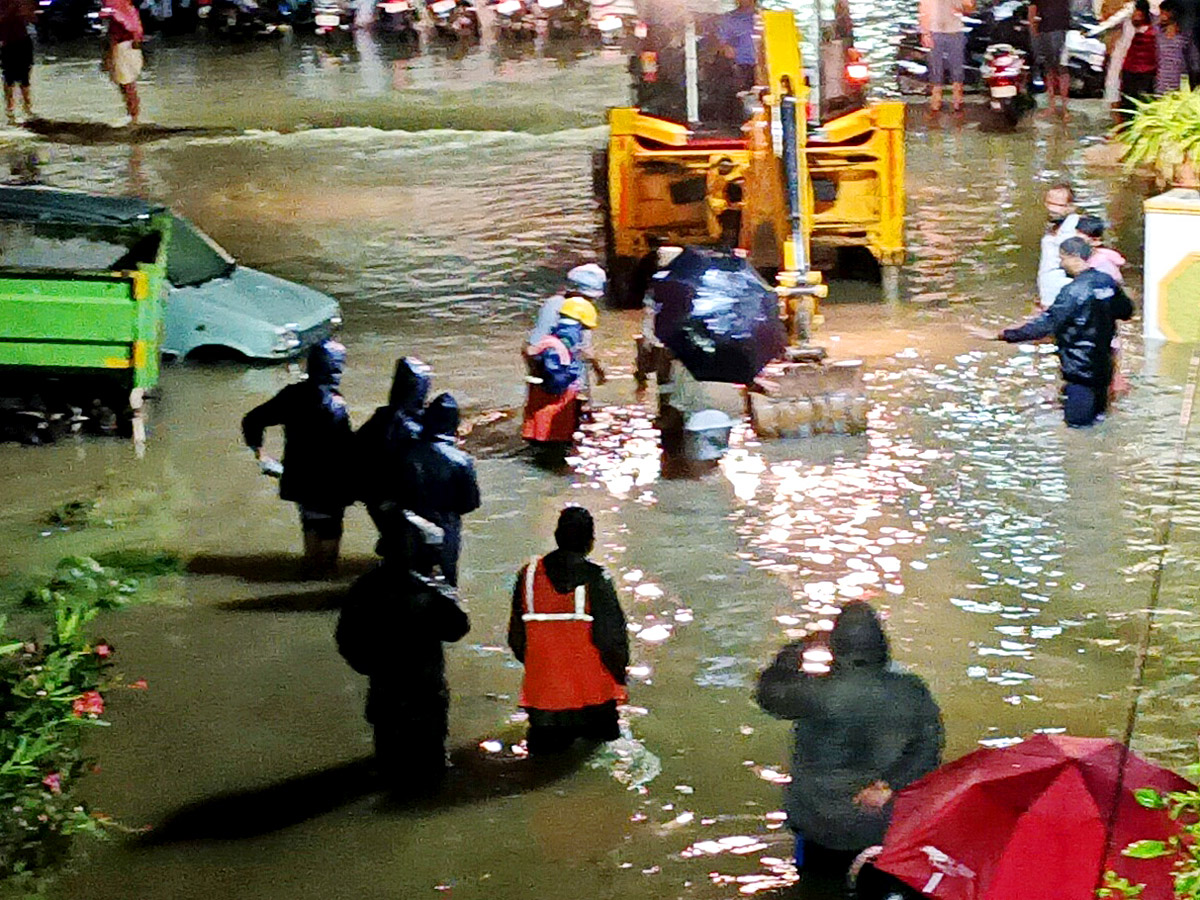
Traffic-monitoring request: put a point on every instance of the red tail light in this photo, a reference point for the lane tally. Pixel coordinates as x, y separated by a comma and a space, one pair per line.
858, 72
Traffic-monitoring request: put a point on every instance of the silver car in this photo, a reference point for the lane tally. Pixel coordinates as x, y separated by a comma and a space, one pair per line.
213, 303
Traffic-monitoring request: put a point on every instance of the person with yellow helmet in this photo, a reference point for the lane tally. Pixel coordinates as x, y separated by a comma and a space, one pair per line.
584, 284
557, 379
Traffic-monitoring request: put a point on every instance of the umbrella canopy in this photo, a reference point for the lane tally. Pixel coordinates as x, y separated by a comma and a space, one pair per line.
717, 316
1028, 821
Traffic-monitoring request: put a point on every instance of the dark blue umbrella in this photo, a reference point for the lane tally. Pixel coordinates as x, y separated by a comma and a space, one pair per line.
717, 316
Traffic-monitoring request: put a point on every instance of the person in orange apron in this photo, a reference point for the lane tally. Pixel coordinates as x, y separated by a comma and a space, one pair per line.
568, 629
557, 376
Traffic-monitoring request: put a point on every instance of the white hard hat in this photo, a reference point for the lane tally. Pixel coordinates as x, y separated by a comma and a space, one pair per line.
589, 279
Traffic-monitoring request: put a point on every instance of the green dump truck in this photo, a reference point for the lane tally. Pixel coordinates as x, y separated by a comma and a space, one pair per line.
85, 340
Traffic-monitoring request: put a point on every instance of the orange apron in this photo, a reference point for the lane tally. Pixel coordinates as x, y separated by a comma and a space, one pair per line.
563, 669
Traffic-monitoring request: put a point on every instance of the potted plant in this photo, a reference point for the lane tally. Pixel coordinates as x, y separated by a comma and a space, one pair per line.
1164, 132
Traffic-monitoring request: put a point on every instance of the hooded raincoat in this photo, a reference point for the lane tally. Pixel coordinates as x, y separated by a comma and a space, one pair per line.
861, 723
388, 610
382, 445
443, 479
316, 433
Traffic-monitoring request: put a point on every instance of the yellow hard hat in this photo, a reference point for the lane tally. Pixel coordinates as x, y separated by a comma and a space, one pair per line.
580, 310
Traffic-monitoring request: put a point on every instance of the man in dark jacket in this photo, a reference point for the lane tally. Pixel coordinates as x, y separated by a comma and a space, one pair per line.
316, 451
391, 629
863, 730
382, 446
1083, 320
568, 630
443, 479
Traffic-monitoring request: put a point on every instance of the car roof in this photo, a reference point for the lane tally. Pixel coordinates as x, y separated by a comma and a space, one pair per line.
44, 204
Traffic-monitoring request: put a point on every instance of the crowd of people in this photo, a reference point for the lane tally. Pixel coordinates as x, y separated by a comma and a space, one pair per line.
1080, 293
1149, 51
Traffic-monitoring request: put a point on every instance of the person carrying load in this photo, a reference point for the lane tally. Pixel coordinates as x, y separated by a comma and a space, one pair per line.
557, 375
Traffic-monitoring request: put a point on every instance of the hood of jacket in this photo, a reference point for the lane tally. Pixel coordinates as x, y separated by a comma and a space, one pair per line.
410, 385
857, 639
326, 363
440, 421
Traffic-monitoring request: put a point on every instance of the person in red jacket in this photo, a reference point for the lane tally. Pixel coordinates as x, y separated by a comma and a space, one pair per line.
1141, 59
568, 629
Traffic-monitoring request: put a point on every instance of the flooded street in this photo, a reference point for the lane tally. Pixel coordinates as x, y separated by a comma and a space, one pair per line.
438, 200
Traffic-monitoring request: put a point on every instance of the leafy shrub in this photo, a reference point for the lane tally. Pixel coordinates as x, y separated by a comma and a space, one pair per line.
53, 688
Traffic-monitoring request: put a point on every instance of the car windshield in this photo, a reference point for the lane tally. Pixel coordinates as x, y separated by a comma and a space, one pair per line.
194, 257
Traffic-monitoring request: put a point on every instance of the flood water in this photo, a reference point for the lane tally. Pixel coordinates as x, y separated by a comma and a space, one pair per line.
1012, 557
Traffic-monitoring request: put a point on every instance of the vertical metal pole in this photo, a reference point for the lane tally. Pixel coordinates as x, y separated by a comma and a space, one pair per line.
691, 73
788, 112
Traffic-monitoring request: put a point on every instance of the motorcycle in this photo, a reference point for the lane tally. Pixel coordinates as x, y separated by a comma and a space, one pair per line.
64, 20
397, 18
564, 18
614, 20
1005, 74
240, 18
514, 20
332, 18
455, 20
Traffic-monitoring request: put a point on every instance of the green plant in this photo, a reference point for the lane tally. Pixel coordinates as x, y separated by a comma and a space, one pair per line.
1163, 131
53, 688
1183, 849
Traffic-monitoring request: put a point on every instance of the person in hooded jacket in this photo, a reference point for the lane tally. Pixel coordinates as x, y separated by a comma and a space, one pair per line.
382, 445
316, 451
443, 476
1083, 320
862, 731
391, 628
568, 629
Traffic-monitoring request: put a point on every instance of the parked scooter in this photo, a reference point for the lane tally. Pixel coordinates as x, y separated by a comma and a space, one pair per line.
514, 20
332, 18
564, 18
397, 18
613, 20
241, 18
455, 20
1005, 76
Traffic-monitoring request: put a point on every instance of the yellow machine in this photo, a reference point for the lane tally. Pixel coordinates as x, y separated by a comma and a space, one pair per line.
800, 159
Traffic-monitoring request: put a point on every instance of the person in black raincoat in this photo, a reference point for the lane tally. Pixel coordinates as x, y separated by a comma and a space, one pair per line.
316, 451
862, 731
382, 445
1083, 320
443, 477
391, 629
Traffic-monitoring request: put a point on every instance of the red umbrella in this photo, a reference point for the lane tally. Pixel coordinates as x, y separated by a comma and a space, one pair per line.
1028, 821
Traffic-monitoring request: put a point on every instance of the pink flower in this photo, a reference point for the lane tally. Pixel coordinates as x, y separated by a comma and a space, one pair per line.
139, 685
54, 782
104, 651
90, 703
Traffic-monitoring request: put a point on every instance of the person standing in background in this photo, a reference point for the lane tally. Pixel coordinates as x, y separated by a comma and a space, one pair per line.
16, 54
123, 56
1177, 56
1140, 66
944, 35
1049, 22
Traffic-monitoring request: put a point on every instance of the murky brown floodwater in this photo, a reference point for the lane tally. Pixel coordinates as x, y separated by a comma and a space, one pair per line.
1012, 556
